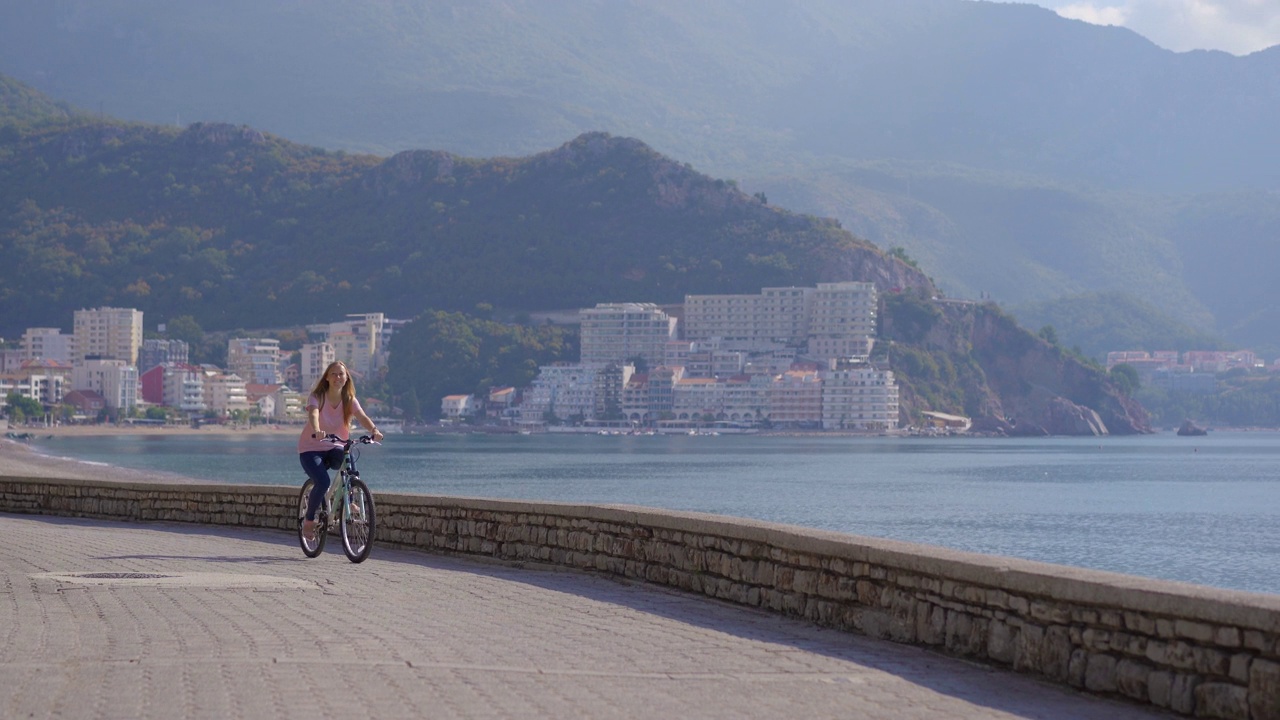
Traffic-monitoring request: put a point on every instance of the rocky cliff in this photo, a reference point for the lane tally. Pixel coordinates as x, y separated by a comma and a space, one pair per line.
972, 359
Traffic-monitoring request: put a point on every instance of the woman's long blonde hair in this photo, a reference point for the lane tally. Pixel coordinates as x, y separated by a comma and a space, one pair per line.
348, 391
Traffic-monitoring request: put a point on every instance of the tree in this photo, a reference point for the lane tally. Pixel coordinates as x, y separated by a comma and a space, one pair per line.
1125, 376
19, 408
1049, 335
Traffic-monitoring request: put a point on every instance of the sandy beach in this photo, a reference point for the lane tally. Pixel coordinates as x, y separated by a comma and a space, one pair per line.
17, 459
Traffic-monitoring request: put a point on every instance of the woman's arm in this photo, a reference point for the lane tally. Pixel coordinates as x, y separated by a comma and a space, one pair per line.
364, 420
313, 422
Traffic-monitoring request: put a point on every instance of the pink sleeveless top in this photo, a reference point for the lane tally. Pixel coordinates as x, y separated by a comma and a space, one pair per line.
330, 423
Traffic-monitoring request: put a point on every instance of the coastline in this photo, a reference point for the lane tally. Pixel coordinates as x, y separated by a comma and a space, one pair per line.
18, 459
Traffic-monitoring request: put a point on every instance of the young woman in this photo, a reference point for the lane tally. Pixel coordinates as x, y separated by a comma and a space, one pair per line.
329, 411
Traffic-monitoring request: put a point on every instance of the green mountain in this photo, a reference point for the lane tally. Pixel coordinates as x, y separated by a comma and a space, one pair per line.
1014, 154
225, 223
229, 227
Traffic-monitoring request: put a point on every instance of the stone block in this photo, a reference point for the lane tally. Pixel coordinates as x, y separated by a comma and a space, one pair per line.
1159, 687
1100, 673
1256, 640
1264, 690
1240, 668
1228, 637
1212, 662
1056, 653
1076, 667
1182, 697
1132, 678
1000, 641
1192, 630
1222, 700
1028, 647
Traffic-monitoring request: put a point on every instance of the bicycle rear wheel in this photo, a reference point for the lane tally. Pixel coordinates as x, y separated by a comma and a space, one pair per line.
357, 522
314, 544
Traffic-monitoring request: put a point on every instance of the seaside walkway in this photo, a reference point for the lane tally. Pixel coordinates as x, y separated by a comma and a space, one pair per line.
106, 619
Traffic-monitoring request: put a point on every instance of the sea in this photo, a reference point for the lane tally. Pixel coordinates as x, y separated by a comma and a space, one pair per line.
1203, 510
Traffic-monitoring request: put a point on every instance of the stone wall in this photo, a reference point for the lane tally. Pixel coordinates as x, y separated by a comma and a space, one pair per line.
1195, 650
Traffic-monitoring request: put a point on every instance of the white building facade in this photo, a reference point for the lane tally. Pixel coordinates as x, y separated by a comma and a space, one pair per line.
255, 360
622, 332
107, 333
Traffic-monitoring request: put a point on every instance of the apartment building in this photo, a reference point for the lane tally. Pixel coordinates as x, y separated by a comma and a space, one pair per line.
115, 380
360, 341
795, 399
43, 380
746, 398
623, 332
697, 399
48, 344
833, 320
609, 383
176, 385
157, 352
107, 333
255, 360
842, 320
563, 390
315, 358
223, 392
859, 398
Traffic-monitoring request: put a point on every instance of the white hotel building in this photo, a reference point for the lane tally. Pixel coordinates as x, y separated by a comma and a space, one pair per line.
621, 332
833, 320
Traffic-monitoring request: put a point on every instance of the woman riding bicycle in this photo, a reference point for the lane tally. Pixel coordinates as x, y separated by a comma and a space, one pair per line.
329, 411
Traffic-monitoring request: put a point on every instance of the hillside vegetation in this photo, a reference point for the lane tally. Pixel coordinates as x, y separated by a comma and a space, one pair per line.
225, 223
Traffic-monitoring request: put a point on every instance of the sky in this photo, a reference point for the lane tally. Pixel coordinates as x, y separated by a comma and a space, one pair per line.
1239, 27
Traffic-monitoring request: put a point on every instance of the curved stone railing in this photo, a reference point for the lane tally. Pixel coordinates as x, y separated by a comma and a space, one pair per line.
1195, 650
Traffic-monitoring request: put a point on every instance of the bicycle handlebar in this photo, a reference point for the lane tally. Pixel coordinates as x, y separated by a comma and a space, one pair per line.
363, 440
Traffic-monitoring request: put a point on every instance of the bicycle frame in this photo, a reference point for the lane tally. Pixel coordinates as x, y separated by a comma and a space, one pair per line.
346, 472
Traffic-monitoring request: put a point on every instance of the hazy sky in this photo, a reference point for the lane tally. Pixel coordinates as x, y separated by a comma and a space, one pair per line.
1236, 26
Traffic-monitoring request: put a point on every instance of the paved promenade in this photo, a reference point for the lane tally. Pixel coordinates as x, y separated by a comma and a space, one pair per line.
229, 623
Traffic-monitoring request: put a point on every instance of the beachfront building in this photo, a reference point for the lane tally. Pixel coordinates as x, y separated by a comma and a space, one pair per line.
456, 407
255, 360
563, 391
746, 399
176, 385
859, 397
45, 381
48, 344
795, 399
624, 332
115, 380
609, 383
107, 333
697, 400
223, 392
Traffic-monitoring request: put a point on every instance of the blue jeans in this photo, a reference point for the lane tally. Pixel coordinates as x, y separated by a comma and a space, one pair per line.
317, 464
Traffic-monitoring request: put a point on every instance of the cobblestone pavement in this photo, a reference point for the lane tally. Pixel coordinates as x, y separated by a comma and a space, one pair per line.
240, 625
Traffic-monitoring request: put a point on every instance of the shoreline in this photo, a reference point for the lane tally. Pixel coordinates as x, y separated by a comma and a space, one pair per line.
19, 459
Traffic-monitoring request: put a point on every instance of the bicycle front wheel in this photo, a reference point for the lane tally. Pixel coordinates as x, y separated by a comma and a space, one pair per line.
357, 522
312, 544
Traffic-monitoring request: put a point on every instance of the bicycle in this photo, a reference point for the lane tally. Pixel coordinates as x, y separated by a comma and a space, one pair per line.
356, 524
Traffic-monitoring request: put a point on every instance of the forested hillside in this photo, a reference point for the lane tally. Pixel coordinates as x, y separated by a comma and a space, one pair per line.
239, 228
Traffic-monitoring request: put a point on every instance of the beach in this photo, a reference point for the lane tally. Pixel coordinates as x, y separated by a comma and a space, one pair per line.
17, 459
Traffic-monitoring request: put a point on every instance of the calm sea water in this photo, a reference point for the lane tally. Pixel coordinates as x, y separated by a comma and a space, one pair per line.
1203, 510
